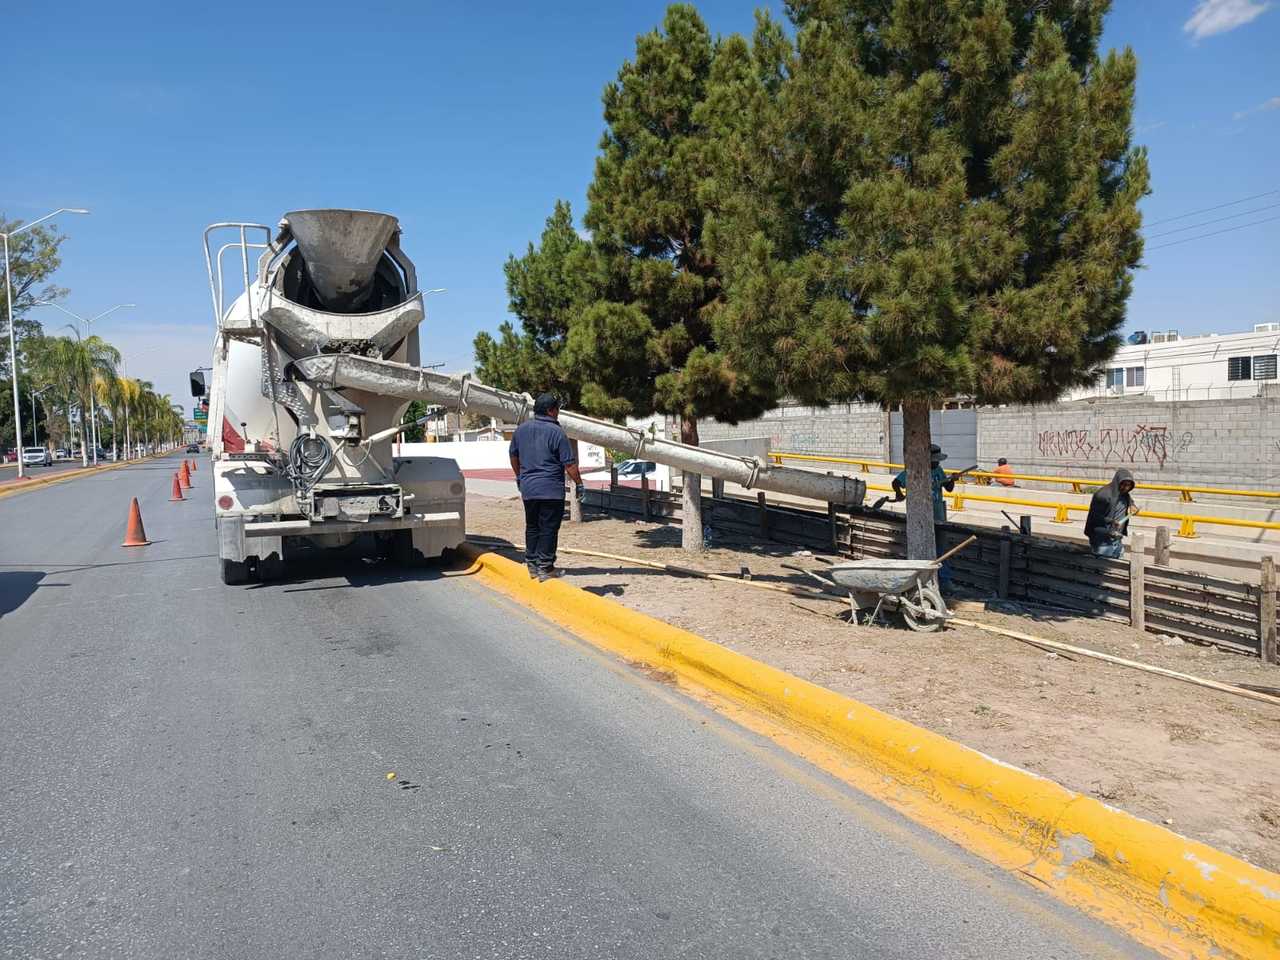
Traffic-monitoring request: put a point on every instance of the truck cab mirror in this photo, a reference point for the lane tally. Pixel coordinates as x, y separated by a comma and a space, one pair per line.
198, 387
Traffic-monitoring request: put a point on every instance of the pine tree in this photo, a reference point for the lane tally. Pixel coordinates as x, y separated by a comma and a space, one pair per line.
648, 344
548, 288
958, 195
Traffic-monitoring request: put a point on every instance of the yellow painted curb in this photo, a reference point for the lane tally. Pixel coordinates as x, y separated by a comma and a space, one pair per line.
1178, 896
36, 484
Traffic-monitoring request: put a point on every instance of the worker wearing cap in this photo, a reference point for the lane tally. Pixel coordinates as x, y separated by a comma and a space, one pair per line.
938, 480
541, 455
1004, 473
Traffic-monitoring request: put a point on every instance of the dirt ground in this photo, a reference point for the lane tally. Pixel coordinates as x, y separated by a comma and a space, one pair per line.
1205, 764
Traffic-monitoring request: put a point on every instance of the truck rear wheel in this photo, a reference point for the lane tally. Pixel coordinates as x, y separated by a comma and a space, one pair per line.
271, 567
403, 551
234, 572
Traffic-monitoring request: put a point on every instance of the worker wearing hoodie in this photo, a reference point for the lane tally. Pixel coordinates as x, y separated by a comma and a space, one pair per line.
1108, 519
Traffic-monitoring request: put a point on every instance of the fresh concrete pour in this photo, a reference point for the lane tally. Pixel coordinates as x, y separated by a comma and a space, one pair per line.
197, 770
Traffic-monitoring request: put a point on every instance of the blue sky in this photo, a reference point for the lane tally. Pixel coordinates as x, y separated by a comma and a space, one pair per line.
468, 121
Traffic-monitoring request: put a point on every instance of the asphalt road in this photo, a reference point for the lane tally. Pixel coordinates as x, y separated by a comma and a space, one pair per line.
9, 471
193, 770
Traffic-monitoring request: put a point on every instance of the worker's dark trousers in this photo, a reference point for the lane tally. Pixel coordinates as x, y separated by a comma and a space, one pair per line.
542, 532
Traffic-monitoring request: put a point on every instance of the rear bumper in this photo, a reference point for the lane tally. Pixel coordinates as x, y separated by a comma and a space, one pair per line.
311, 528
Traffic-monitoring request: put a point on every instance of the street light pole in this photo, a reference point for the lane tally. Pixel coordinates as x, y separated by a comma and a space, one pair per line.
13, 347
93, 405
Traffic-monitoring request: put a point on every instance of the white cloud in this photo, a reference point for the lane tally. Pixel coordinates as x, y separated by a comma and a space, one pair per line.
1151, 127
1219, 16
1272, 104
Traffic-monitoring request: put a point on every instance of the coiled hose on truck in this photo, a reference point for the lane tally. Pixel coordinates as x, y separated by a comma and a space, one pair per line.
309, 458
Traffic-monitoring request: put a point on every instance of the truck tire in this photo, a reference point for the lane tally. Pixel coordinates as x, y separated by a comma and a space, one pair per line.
234, 573
271, 567
403, 551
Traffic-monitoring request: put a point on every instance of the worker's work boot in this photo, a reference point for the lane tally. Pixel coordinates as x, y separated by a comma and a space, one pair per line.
533, 570
551, 573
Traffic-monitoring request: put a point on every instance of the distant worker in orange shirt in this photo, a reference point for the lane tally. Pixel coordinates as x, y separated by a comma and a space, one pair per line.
1004, 473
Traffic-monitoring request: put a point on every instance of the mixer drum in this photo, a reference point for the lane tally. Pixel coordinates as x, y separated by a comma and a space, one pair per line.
341, 289
341, 251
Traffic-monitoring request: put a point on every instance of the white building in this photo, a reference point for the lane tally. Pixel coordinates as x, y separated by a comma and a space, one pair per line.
1211, 366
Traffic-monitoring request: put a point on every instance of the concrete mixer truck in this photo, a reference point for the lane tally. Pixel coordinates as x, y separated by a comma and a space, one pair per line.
316, 359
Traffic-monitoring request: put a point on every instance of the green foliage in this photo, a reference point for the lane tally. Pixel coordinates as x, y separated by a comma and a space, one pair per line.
673, 116
942, 201
955, 193
416, 410
67, 370
548, 288
33, 257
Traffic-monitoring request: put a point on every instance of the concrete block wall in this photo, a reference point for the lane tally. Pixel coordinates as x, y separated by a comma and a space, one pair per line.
841, 430
1225, 443
1228, 443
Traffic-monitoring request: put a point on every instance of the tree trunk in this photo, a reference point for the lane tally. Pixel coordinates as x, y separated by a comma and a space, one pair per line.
915, 447
128, 438
691, 507
84, 437
575, 507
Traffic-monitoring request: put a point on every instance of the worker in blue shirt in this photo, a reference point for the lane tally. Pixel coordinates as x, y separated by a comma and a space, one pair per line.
541, 455
938, 480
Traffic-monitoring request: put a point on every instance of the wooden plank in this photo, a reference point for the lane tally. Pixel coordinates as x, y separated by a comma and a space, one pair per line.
1002, 576
1162, 547
1240, 627
1201, 600
1079, 558
1071, 588
1267, 611
1137, 593
1160, 622
1109, 610
1039, 569
1201, 581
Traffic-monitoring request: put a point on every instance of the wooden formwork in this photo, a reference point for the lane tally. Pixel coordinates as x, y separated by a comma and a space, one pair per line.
1004, 564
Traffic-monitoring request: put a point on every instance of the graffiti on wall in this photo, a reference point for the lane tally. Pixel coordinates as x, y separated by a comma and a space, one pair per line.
1141, 443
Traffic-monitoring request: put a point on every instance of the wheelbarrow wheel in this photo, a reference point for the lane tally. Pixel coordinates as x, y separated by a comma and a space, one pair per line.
930, 614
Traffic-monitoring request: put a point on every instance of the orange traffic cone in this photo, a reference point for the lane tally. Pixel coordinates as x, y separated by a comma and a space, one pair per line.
134, 535
177, 490
185, 476
193, 466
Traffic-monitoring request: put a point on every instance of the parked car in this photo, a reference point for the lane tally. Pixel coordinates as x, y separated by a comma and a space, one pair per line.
634, 469
630, 473
9, 456
62, 453
36, 457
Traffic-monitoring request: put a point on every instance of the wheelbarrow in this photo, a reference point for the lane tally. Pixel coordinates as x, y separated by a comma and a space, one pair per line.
909, 587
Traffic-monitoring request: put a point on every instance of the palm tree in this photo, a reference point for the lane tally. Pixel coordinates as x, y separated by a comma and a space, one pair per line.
52, 362
91, 357
130, 396
110, 390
